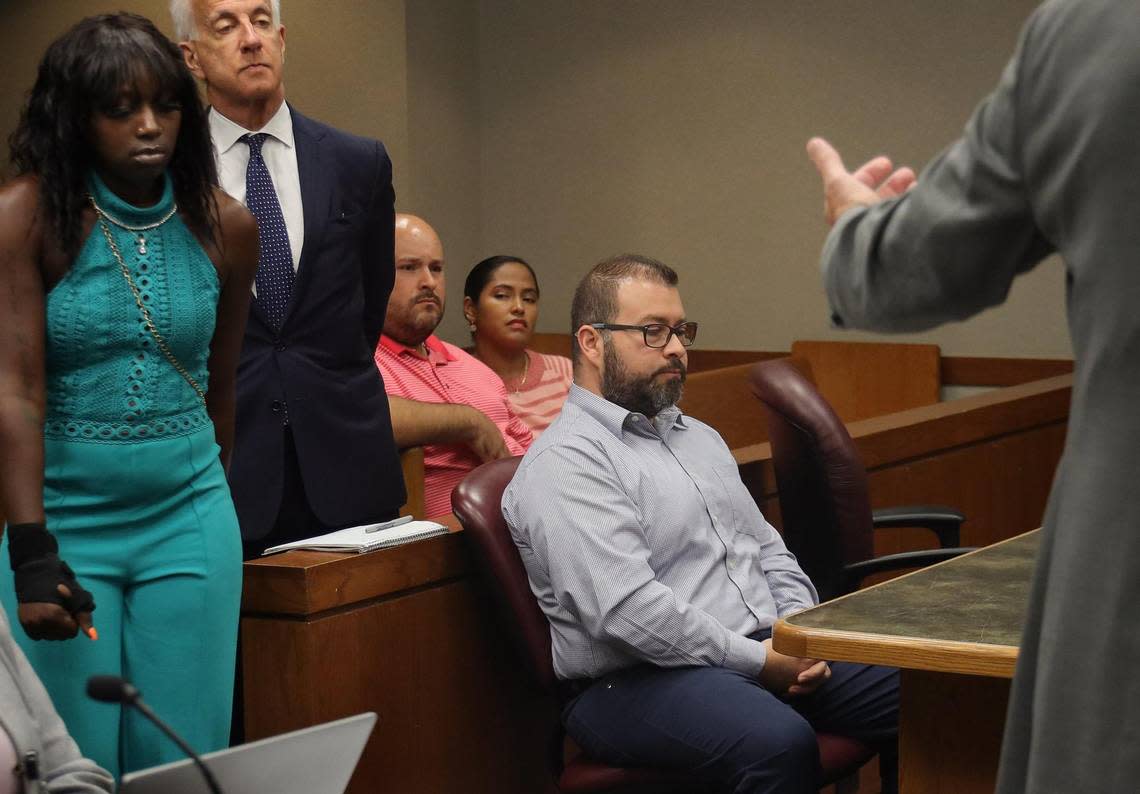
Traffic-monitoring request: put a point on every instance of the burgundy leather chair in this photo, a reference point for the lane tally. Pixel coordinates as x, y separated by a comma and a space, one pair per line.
476, 503
822, 487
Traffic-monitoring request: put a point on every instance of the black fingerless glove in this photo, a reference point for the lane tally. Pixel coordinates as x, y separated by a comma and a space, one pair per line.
39, 571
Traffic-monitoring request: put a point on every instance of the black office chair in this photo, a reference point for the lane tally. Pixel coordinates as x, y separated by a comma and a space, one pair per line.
822, 487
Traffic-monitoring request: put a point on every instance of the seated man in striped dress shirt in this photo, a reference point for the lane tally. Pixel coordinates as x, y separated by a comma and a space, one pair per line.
440, 397
659, 576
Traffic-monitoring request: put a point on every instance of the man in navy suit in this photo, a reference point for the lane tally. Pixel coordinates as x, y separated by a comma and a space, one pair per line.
314, 447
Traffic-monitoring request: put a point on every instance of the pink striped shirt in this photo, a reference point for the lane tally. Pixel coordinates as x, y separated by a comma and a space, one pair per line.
448, 375
548, 380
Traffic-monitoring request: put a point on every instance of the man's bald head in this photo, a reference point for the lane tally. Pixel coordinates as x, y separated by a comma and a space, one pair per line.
416, 305
412, 230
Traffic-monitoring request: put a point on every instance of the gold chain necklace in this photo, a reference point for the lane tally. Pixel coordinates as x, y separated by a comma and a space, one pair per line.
526, 370
148, 321
141, 242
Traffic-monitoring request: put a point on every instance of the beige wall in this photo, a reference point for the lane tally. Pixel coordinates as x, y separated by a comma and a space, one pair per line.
567, 131
677, 129
444, 133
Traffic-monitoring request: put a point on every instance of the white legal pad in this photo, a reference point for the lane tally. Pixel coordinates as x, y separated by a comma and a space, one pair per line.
359, 539
316, 760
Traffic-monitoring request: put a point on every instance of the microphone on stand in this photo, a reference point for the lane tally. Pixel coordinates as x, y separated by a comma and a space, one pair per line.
112, 689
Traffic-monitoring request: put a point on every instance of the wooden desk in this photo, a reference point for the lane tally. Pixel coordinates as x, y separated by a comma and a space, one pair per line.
953, 630
408, 633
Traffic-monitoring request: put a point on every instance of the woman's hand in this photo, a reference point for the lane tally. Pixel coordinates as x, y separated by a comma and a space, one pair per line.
52, 603
43, 620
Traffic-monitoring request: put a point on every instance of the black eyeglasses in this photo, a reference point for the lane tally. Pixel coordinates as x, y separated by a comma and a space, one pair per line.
656, 334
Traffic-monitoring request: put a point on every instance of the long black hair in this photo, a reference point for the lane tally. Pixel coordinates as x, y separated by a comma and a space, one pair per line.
482, 272
84, 71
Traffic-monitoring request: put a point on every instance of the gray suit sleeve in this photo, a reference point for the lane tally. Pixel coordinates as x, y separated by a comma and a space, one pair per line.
952, 245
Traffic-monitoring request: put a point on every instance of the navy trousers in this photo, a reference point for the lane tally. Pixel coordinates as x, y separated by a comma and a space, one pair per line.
729, 730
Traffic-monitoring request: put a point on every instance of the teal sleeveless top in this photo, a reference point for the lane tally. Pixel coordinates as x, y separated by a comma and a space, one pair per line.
107, 380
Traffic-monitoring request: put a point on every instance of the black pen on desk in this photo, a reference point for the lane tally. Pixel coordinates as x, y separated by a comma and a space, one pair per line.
395, 522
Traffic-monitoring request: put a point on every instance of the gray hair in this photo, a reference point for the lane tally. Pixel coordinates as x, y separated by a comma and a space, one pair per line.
185, 28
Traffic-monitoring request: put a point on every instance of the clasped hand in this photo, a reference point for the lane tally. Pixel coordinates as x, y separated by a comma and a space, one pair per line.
792, 676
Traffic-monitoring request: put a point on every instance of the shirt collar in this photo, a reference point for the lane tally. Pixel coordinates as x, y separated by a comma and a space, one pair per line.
616, 419
435, 347
226, 133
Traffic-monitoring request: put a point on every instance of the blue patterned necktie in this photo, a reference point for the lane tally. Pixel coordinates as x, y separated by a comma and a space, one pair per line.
275, 274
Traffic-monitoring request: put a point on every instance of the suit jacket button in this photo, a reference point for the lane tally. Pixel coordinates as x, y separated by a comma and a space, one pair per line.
276, 406
278, 345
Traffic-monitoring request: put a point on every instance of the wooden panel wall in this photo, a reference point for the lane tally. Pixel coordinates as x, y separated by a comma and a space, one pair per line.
862, 379
723, 399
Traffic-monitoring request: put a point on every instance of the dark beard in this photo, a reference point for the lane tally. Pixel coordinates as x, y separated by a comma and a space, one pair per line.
408, 328
641, 394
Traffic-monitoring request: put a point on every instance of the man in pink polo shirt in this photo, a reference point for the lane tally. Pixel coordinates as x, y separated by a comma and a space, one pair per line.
441, 398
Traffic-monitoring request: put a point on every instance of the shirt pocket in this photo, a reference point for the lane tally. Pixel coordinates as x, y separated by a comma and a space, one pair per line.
721, 499
741, 510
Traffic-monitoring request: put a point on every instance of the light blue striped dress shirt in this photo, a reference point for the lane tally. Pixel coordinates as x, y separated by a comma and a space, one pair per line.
643, 545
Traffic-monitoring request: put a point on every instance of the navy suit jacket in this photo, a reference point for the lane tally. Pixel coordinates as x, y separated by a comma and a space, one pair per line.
319, 365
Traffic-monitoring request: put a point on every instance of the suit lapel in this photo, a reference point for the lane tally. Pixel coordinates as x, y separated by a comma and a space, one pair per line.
316, 200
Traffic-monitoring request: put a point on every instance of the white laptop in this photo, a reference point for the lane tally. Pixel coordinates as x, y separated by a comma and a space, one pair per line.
316, 760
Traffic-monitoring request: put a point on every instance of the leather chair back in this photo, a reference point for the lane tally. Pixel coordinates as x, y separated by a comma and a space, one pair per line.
822, 482
476, 503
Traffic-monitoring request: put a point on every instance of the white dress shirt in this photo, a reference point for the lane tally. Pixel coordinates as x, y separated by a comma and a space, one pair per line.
280, 155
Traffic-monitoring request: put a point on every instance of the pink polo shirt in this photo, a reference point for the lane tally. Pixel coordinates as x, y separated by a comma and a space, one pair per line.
448, 375
538, 400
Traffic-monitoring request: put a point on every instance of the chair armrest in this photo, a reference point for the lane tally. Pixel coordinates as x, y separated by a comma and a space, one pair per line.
856, 572
945, 522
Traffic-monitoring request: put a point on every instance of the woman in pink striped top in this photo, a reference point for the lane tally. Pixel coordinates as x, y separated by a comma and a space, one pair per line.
500, 302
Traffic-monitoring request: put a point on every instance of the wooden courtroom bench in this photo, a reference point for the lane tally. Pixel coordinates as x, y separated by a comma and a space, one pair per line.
406, 632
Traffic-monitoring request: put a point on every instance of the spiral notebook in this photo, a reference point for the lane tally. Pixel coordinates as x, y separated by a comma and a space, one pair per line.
367, 537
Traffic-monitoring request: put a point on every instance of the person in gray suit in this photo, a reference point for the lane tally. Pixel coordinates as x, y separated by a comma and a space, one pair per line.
1050, 162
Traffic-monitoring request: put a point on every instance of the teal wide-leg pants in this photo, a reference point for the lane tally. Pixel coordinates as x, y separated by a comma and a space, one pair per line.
149, 528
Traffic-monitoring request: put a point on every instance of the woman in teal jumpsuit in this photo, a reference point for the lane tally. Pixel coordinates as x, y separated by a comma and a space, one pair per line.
125, 277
